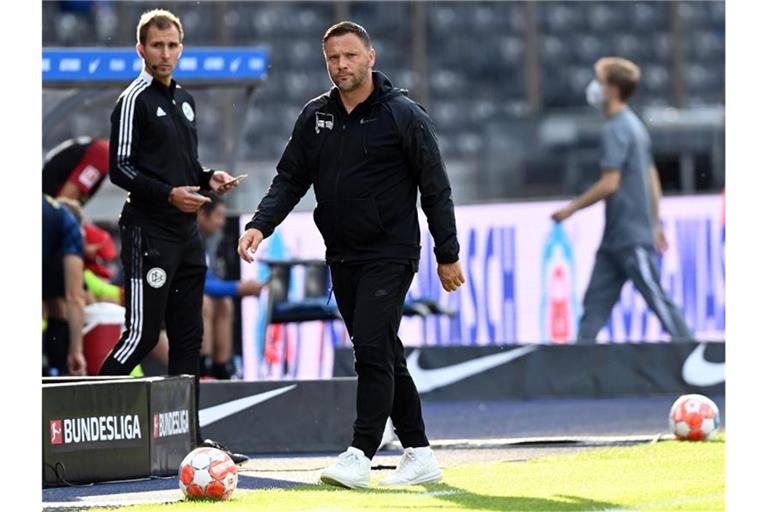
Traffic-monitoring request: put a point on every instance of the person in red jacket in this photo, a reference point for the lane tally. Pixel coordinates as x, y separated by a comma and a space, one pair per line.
76, 168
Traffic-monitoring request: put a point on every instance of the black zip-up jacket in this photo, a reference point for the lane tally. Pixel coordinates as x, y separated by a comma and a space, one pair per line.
153, 148
365, 168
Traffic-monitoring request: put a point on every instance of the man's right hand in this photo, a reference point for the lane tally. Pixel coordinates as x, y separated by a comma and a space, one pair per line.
248, 244
186, 199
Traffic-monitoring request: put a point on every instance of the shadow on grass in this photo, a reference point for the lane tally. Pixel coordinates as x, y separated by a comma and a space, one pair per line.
475, 501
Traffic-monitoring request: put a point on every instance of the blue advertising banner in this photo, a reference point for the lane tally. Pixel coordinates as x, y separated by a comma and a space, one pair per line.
77, 65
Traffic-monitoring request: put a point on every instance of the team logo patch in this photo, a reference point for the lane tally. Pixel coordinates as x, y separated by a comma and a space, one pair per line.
156, 277
187, 109
323, 120
89, 176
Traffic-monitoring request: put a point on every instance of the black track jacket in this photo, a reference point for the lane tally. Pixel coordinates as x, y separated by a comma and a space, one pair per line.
153, 148
365, 168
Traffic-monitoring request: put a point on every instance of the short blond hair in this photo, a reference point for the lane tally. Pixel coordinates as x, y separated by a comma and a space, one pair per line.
160, 18
622, 73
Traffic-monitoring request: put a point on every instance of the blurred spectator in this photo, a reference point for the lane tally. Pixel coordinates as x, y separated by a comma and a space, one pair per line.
99, 250
76, 168
63, 297
218, 308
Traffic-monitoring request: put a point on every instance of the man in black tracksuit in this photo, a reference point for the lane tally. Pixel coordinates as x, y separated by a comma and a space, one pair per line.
153, 155
366, 147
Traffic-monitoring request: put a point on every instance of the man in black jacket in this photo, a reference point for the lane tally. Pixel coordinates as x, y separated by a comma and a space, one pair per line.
366, 149
153, 155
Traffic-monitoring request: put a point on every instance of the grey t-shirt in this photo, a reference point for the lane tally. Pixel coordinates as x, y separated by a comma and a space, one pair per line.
626, 146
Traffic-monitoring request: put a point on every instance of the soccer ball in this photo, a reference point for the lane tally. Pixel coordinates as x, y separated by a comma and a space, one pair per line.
694, 418
207, 473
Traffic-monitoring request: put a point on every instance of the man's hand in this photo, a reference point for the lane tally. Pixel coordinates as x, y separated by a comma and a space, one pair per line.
186, 199
249, 287
562, 214
660, 239
248, 244
76, 363
91, 251
221, 182
450, 275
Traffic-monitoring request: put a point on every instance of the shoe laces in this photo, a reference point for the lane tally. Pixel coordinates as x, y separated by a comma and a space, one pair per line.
407, 461
347, 459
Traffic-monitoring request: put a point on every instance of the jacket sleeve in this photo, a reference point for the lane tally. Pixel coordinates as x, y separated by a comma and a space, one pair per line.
127, 121
423, 154
216, 287
288, 186
203, 173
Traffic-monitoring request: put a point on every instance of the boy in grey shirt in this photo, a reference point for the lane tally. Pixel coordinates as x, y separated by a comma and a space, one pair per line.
631, 189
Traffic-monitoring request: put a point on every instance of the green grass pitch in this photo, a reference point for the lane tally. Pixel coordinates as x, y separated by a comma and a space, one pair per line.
668, 475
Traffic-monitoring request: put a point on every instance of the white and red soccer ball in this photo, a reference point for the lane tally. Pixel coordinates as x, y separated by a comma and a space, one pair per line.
207, 473
694, 418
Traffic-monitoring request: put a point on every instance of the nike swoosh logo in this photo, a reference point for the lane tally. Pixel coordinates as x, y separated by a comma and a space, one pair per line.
697, 371
218, 412
428, 379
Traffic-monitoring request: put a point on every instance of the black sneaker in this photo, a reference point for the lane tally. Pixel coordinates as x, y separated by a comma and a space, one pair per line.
237, 458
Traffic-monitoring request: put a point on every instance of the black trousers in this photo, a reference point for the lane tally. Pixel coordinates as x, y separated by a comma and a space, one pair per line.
611, 271
163, 282
370, 297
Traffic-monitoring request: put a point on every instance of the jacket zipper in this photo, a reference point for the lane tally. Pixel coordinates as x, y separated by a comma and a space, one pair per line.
336, 190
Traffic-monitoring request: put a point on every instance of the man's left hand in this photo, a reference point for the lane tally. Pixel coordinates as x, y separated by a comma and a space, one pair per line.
76, 363
221, 182
450, 275
660, 240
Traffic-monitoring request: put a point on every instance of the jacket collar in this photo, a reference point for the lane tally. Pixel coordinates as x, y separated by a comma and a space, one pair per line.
146, 77
382, 90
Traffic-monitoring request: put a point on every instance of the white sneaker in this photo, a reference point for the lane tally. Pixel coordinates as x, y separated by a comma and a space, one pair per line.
352, 470
417, 466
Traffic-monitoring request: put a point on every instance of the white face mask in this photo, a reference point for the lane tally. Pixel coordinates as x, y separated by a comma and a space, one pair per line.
595, 94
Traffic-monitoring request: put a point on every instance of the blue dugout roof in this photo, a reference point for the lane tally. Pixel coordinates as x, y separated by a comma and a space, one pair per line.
83, 67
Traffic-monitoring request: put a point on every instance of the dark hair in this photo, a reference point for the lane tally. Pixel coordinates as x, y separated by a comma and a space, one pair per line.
161, 19
348, 27
215, 201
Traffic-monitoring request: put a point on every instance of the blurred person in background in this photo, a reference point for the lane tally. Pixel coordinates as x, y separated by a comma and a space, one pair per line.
218, 308
76, 168
632, 191
153, 155
63, 295
366, 149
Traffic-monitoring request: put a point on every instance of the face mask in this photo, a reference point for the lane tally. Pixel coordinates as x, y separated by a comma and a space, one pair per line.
595, 94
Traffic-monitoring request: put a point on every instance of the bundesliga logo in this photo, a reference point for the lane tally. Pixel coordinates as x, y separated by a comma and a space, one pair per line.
95, 429
170, 423
56, 432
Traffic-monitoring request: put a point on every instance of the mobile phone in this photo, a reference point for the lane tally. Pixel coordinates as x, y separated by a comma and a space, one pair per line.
238, 178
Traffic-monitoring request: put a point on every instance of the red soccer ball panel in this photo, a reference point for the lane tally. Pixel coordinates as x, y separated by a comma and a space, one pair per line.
195, 491
187, 474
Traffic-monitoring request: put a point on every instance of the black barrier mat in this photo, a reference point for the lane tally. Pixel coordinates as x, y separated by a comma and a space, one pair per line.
279, 416
100, 429
87, 427
502, 372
